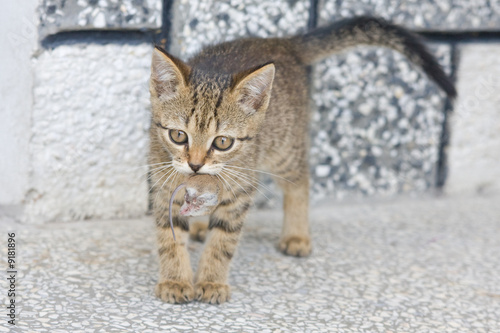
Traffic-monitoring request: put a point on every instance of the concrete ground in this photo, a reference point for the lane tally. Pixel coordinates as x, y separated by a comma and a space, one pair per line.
412, 265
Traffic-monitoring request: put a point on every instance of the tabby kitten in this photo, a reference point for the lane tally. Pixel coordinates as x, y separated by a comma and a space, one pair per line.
231, 111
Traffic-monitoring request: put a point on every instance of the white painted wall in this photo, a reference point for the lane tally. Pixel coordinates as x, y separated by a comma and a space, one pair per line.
474, 159
18, 42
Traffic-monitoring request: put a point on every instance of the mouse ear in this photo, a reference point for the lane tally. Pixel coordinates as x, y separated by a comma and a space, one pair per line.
168, 74
253, 88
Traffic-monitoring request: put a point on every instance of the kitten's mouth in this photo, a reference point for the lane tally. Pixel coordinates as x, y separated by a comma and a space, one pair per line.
193, 208
184, 169
206, 172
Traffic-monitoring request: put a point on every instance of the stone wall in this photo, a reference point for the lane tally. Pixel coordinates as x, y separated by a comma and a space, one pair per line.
76, 99
89, 132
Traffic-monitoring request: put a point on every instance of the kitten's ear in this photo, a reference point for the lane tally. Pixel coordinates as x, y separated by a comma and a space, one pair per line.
168, 74
253, 88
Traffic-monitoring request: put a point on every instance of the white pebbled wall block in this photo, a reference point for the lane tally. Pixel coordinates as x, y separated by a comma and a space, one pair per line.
89, 133
474, 158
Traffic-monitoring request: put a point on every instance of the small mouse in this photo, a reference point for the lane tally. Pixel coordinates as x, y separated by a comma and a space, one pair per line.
203, 194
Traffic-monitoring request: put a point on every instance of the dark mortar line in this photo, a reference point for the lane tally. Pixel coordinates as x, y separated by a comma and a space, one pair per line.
100, 37
444, 140
164, 39
312, 21
460, 37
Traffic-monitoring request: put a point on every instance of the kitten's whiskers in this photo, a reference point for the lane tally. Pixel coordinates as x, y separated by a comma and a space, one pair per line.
252, 179
158, 170
231, 178
166, 180
264, 172
248, 182
169, 172
227, 183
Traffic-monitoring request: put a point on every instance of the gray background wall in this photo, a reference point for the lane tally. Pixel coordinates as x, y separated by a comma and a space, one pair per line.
74, 99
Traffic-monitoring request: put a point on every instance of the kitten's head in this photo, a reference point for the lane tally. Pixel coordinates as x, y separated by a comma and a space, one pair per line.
206, 119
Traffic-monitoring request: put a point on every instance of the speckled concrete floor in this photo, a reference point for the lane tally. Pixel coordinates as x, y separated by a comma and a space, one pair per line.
426, 265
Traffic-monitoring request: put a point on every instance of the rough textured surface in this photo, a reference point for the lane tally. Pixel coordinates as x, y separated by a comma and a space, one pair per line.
408, 266
425, 15
200, 23
89, 139
62, 15
377, 124
474, 159
18, 39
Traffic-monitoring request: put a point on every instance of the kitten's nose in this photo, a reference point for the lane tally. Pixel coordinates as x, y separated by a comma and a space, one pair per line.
195, 167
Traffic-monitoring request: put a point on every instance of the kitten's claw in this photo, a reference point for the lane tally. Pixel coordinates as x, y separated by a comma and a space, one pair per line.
175, 292
298, 246
213, 293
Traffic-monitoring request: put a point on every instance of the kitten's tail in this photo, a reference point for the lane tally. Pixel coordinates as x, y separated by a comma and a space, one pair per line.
322, 42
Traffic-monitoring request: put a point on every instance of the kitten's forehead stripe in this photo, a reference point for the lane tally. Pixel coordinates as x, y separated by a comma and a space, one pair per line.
219, 100
208, 86
201, 121
195, 101
211, 80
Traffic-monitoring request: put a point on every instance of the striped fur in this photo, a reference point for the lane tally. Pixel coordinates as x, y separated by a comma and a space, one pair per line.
256, 92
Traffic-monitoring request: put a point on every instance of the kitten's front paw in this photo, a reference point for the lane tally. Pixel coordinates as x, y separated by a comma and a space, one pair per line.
213, 293
298, 246
175, 292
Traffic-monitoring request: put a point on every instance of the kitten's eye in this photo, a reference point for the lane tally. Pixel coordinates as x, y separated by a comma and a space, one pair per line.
223, 143
178, 137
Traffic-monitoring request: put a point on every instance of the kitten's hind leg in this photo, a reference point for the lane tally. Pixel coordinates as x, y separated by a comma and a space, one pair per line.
295, 238
198, 231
